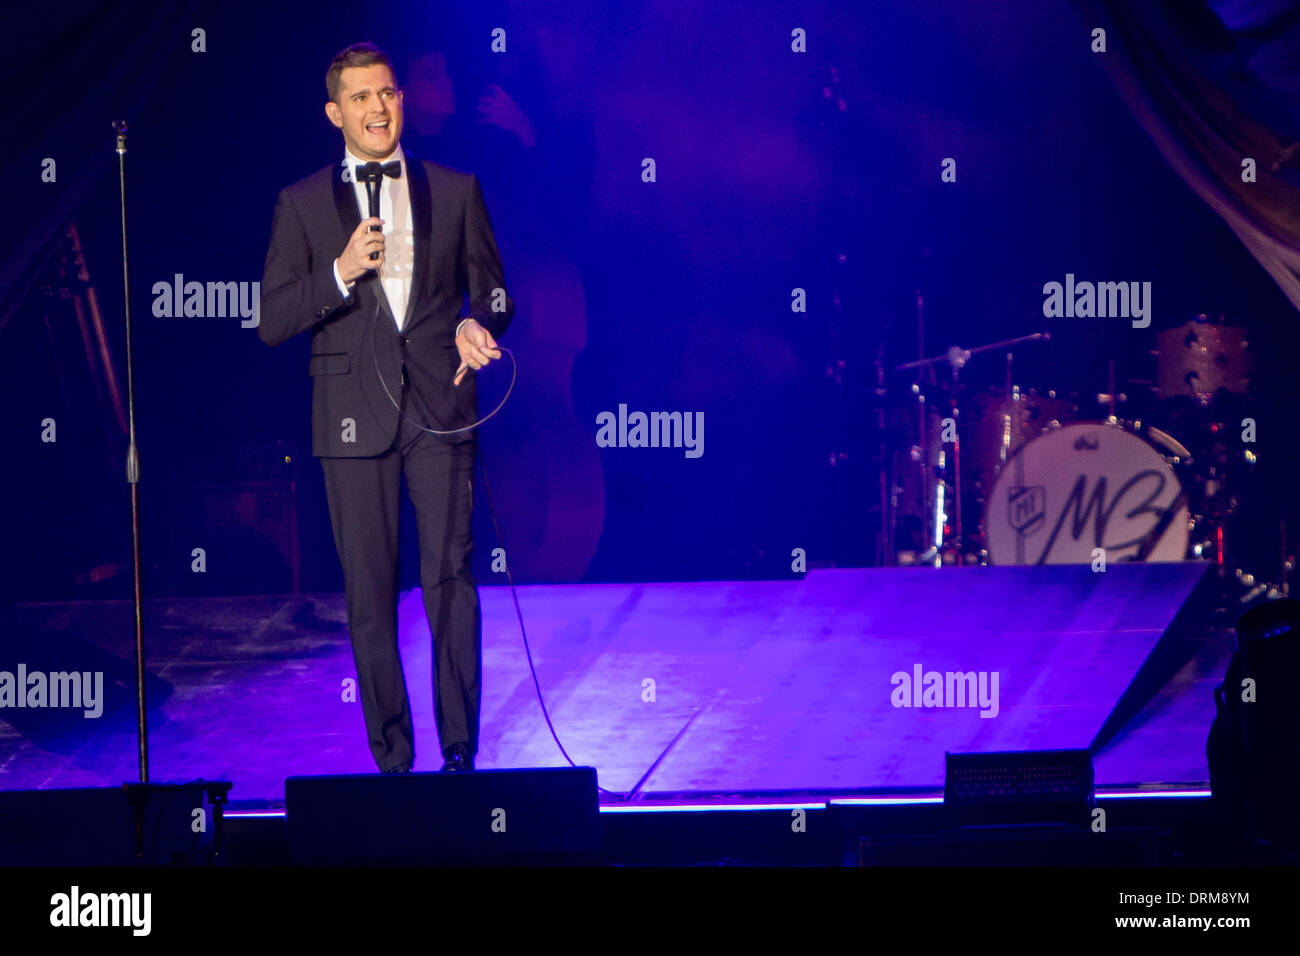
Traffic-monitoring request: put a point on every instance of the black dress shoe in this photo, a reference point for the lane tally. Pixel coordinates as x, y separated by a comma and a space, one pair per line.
400, 768
458, 759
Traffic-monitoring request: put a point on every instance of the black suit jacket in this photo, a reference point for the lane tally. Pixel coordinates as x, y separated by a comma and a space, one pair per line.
455, 255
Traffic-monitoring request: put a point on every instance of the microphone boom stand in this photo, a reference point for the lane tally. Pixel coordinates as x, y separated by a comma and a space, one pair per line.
133, 471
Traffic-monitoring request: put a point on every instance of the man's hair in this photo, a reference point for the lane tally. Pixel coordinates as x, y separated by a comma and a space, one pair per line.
358, 54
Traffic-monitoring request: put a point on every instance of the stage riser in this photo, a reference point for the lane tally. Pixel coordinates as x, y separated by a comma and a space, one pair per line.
787, 686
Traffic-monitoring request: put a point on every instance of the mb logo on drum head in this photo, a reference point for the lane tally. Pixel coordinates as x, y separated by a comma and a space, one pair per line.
1027, 508
1085, 486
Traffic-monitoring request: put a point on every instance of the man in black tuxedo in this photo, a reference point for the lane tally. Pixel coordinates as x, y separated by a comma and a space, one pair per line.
392, 359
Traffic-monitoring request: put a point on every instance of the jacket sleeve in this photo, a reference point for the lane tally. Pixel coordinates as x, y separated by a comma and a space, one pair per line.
295, 297
480, 268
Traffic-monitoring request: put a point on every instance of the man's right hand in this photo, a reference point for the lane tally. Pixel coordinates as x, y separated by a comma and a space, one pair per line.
355, 261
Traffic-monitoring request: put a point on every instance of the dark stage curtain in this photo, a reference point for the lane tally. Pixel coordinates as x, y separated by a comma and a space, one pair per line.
1215, 84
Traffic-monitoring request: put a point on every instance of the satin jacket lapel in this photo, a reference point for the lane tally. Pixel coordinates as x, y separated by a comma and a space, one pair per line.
421, 225
345, 201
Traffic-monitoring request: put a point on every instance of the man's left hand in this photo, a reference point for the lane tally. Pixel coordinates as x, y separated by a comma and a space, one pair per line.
476, 347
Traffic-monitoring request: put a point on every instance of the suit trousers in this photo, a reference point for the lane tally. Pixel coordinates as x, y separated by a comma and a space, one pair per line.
363, 504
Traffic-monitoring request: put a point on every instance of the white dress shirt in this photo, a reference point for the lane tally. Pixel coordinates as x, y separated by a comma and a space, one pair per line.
399, 234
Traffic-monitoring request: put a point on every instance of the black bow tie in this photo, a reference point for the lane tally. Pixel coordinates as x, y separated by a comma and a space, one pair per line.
367, 170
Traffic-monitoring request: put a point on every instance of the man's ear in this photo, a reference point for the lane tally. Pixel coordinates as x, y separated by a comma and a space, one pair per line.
334, 113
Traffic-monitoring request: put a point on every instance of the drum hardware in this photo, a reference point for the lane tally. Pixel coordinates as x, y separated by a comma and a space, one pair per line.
942, 463
1167, 441
1254, 589
1205, 503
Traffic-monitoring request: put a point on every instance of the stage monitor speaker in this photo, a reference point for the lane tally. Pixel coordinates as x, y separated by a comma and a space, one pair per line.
1019, 787
129, 825
548, 815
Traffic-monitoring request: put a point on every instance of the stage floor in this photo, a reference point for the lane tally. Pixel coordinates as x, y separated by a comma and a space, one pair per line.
694, 688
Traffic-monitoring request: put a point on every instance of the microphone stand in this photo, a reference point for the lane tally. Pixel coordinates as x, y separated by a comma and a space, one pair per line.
144, 798
133, 471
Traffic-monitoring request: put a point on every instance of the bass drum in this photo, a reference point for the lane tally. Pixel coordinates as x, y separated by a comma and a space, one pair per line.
1085, 486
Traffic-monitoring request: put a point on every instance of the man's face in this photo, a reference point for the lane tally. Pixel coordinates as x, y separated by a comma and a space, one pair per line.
369, 111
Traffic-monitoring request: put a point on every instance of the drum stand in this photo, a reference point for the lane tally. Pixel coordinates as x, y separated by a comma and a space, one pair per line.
956, 357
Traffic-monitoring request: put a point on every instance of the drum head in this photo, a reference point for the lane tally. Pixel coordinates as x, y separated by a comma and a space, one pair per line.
1081, 487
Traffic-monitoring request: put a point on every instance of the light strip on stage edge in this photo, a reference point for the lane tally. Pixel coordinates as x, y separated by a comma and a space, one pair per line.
708, 807
638, 808
881, 801
1100, 795
1151, 794
821, 805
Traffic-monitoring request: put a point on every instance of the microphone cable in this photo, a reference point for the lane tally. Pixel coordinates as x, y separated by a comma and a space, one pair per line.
496, 529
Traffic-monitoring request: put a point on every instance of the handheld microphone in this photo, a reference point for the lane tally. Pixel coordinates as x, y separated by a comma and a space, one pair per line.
373, 179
